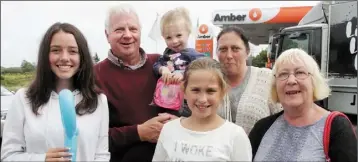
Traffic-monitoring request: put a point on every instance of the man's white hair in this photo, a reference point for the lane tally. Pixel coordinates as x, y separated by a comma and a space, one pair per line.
119, 9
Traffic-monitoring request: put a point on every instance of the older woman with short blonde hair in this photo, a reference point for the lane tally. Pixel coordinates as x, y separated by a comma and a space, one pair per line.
295, 134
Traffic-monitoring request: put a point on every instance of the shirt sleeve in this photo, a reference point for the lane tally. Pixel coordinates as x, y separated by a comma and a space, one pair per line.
119, 137
160, 154
102, 152
159, 63
343, 141
122, 137
14, 145
241, 147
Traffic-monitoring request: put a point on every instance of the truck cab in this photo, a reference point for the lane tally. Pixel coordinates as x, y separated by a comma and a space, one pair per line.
329, 34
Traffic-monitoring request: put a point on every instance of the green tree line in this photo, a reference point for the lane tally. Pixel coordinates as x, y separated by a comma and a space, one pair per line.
27, 66
260, 60
14, 78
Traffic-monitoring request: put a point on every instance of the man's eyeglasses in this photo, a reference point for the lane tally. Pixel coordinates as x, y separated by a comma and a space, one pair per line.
298, 74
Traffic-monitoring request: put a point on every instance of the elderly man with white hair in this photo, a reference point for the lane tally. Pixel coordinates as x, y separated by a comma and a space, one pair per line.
126, 77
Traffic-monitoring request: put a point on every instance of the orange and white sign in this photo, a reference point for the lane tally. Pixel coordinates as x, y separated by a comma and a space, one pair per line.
204, 42
255, 14
264, 15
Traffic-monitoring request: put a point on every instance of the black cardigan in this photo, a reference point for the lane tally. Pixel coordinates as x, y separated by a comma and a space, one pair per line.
343, 142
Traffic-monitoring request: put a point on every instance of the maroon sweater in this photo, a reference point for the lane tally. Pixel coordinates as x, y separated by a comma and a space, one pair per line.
129, 93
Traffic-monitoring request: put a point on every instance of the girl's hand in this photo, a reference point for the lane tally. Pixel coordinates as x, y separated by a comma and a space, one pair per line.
58, 154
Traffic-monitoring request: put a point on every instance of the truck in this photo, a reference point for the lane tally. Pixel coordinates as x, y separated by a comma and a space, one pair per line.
328, 32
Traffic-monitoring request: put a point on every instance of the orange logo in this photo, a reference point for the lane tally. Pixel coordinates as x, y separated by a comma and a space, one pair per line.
255, 14
203, 29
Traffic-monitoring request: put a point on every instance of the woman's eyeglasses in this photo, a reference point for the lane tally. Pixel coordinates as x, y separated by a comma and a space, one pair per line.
298, 74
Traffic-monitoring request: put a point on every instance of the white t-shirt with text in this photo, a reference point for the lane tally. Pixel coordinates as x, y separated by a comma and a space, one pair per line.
228, 142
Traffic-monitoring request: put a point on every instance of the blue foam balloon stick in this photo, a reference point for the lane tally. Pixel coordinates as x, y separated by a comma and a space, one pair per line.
68, 116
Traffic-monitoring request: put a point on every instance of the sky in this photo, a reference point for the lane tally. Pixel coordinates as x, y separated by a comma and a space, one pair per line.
23, 23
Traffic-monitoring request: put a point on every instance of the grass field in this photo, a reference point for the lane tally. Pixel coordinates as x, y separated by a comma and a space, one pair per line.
14, 81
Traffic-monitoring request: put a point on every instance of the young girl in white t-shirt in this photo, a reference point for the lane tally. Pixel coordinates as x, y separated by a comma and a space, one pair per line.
203, 136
